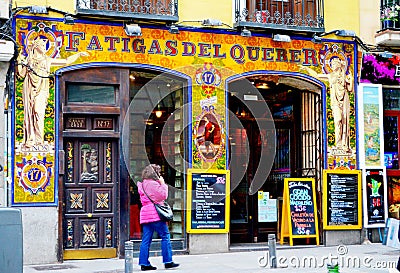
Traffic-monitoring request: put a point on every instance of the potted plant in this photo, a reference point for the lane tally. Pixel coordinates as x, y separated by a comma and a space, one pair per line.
389, 15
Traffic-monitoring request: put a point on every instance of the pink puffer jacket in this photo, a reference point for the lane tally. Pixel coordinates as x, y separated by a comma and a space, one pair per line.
157, 192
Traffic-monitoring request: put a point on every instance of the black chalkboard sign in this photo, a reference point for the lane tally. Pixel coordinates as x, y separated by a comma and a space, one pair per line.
302, 209
299, 218
208, 192
342, 199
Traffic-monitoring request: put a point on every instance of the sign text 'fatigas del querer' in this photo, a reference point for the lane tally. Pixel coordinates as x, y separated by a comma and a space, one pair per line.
237, 52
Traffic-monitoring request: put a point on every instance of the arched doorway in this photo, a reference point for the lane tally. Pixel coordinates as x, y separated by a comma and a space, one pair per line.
155, 128
101, 165
296, 110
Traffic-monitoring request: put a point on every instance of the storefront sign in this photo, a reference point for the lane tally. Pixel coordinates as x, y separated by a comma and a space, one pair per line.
375, 198
208, 57
208, 201
342, 199
299, 214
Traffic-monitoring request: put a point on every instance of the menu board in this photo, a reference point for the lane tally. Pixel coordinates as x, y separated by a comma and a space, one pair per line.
299, 211
208, 208
375, 198
342, 199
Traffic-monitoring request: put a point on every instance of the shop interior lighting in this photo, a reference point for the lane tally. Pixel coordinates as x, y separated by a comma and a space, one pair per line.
245, 32
281, 38
132, 29
158, 112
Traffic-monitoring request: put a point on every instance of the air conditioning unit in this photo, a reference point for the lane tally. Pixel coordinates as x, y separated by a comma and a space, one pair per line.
4, 9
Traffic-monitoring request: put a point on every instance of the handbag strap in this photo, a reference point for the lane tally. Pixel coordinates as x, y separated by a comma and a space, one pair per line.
146, 193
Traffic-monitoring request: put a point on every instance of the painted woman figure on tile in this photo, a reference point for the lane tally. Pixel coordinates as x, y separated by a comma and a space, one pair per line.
209, 134
35, 69
340, 83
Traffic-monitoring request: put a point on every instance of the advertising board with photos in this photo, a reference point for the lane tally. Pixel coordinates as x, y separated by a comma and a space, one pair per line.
375, 197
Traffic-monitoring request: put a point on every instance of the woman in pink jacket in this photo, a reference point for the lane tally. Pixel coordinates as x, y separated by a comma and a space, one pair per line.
153, 186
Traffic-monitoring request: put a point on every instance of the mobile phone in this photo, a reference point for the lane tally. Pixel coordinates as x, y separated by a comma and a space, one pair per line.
155, 171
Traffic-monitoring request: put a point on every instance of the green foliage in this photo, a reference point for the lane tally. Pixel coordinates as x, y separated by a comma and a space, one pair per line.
86, 147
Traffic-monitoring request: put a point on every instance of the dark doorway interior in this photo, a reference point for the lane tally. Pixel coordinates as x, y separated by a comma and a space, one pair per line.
157, 121
286, 104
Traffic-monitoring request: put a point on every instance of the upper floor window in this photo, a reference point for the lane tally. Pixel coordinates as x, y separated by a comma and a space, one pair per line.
129, 8
305, 14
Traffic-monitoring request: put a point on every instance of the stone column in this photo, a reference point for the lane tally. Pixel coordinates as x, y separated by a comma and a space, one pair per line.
6, 53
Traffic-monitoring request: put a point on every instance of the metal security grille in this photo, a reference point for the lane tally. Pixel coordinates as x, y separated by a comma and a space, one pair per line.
165, 10
311, 144
300, 14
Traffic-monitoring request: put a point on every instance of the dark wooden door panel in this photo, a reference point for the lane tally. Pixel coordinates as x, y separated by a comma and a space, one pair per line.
90, 193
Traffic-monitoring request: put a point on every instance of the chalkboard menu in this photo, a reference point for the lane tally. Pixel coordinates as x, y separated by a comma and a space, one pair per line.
208, 192
375, 198
342, 199
302, 208
299, 219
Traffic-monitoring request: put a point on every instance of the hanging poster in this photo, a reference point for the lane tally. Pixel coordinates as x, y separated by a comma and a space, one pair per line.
375, 198
267, 209
299, 213
208, 201
370, 121
342, 199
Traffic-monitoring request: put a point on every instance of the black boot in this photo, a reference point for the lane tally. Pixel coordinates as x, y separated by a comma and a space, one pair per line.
148, 267
171, 265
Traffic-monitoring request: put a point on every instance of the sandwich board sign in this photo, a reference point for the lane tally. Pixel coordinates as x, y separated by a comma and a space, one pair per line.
299, 213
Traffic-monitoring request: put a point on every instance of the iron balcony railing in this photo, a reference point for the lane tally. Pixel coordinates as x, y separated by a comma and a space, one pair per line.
159, 10
304, 15
389, 14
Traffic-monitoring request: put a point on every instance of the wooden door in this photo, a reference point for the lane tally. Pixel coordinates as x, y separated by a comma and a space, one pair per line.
89, 219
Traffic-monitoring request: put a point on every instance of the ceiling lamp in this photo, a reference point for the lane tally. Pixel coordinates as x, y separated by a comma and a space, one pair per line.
158, 112
262, 86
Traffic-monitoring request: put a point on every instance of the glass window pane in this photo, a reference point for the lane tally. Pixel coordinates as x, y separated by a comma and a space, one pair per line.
391, 99
85, 93
391, 142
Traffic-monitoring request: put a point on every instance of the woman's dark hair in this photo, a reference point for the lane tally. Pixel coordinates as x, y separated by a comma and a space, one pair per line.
151, 171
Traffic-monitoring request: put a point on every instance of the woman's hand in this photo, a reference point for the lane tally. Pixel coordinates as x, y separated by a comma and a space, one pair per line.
161, 179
